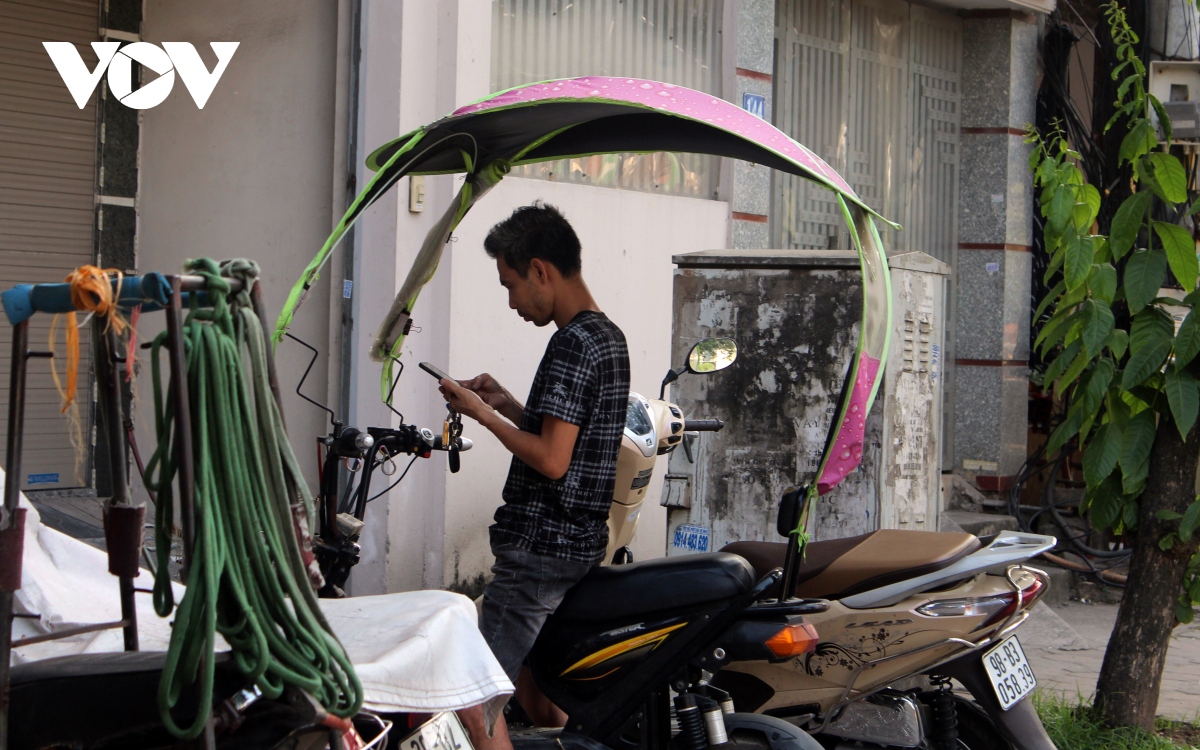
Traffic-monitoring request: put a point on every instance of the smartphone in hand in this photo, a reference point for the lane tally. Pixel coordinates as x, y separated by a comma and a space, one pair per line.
435, 372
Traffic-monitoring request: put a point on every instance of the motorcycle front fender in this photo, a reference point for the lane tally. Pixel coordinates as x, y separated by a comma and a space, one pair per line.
1020, 724
780, 735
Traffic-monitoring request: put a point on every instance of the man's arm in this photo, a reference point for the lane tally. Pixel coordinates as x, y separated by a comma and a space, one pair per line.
549, 453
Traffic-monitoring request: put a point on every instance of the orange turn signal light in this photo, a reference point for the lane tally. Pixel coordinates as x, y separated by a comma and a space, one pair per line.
793, 640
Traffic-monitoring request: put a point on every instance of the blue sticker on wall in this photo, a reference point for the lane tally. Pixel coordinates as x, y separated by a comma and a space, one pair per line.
42, 479
691, 538
755, 104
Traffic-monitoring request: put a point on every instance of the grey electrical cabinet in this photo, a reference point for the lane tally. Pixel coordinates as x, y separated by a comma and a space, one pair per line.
910, 476
795, 315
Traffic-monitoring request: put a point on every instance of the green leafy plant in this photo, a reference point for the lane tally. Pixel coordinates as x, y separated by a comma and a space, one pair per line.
1114, 355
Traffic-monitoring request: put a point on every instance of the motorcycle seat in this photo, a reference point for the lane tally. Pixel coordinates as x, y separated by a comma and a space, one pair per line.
618, 591
843, 567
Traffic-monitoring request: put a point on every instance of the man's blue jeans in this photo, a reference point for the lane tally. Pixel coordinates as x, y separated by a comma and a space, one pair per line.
526, 589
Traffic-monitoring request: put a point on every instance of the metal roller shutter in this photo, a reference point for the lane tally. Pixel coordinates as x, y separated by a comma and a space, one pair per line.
47, 213
873, 87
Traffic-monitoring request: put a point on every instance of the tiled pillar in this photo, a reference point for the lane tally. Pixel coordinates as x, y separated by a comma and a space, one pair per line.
995, 237
1172, 29
755, 61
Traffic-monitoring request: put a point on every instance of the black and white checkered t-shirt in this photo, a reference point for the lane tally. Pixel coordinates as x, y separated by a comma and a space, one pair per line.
583, 379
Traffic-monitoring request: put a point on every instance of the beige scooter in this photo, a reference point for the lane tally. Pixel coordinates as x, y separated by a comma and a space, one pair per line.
654, 427
904, 604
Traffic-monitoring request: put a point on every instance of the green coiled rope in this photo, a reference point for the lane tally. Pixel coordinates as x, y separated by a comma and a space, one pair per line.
247, 580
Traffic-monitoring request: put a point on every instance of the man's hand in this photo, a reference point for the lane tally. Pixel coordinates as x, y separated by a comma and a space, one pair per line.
548, 453
466, 401
495, 395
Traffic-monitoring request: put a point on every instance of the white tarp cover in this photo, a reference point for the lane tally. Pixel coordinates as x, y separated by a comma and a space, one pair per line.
419, 651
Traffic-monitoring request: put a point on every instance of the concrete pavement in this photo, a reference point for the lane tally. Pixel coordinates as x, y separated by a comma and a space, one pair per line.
1065, 646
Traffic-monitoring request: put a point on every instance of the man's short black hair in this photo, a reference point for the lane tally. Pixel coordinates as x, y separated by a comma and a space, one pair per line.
537, 231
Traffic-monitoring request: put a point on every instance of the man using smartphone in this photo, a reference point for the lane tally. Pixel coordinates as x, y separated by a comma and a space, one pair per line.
552, 527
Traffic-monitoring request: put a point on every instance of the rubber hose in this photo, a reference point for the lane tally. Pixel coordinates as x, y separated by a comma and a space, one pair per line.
1107, 575
246, 579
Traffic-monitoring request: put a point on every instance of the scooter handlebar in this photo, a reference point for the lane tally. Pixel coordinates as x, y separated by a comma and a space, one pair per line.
413, 439
464, 444
702, 425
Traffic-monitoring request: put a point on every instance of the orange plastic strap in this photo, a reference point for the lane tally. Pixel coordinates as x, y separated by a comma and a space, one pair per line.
91, 291
131, 350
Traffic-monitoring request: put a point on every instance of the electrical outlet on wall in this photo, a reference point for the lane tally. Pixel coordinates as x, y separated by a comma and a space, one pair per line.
416, 194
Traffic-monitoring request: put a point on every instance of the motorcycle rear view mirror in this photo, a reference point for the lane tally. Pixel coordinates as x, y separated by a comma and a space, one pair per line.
711, 355
706, 357
790, 507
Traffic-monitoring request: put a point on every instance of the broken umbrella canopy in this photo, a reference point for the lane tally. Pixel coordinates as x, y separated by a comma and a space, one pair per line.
587, 116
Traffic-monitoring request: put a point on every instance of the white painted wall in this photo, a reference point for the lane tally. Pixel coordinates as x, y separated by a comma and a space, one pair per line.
250, 175
443, 51
628, 239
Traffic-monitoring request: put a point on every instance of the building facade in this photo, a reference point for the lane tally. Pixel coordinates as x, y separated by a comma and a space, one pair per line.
920, 106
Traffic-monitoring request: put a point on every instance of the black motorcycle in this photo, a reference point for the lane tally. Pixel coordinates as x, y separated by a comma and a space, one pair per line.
631, 650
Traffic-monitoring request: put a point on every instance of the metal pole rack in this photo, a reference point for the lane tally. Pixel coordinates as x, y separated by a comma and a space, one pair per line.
123, 521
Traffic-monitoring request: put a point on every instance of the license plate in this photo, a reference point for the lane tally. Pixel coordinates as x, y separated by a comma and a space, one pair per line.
1008, 669
443, 732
